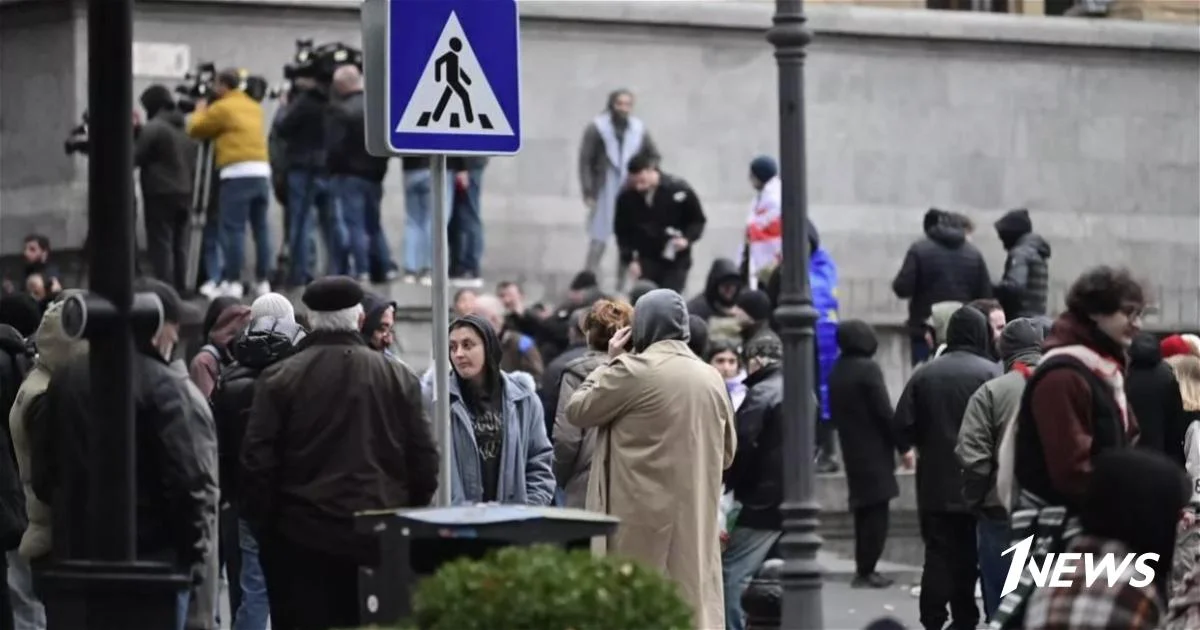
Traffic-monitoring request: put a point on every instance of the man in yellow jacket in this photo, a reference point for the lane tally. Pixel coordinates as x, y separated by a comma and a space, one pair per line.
234, 123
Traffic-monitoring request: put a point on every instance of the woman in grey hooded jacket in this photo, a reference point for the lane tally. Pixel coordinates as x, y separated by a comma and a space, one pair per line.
500, 452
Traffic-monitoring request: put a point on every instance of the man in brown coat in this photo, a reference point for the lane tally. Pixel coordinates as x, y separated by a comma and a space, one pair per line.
336, 428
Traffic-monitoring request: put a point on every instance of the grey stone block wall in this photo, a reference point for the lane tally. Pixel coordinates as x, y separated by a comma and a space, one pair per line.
1092, 125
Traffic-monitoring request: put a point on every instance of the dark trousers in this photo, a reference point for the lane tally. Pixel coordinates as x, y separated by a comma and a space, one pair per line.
308, 589
166, 218
230, 554
951, 568
870, 535
920, 350
6, 609
667, 274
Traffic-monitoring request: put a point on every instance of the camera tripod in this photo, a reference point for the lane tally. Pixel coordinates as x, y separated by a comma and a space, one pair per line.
202, 200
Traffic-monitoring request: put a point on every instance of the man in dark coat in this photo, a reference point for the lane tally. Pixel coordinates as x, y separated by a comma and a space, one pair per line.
166, 159
928, 417
176, 454
756, 476
658, 220
552, 377
941, 267
1153, 394
1026, 282
336, 428
860, 405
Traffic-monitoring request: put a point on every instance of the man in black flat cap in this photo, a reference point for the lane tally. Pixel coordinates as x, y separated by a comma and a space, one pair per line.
335, 429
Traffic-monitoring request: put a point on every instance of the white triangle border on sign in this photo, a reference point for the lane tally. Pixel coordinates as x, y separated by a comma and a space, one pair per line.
427, 92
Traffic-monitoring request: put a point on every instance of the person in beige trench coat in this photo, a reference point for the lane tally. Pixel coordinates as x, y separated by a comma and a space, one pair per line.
664, 434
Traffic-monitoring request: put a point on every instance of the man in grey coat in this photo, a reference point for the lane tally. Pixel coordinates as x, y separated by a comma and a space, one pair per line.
990, 409
610, 140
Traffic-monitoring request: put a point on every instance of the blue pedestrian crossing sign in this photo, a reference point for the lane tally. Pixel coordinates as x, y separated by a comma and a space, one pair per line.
454, 77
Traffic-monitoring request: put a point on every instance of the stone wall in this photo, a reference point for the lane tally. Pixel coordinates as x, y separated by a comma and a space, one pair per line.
1093, 125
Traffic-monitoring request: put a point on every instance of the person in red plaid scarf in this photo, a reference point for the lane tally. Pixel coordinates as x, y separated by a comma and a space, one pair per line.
1132, 505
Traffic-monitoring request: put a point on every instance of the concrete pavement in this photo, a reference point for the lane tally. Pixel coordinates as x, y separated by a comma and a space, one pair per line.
848, 608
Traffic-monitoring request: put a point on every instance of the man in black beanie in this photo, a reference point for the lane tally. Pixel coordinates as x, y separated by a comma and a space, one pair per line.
165, 157
753, 312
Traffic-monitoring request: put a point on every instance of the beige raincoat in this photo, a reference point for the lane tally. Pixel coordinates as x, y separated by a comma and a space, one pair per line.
665, 433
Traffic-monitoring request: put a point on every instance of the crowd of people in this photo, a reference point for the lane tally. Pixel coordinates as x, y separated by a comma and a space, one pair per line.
288, 420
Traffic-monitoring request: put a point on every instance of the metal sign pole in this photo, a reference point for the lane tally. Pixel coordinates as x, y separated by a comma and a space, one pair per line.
441, 326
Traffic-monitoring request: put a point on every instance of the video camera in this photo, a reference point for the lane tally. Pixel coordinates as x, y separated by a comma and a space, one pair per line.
78, 140
202, 84
317, 63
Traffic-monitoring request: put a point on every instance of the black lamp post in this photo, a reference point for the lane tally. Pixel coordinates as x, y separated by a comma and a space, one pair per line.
801, 574
104, 586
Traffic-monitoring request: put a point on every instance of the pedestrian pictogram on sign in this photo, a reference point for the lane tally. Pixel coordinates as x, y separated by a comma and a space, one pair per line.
453, 95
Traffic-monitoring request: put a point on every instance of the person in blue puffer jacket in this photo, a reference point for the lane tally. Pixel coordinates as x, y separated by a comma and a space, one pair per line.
823, 281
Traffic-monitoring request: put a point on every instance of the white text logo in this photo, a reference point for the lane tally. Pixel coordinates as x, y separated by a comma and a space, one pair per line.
1058, 570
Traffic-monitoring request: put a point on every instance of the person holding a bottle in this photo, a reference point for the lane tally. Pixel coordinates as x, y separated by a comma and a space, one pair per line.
658, 218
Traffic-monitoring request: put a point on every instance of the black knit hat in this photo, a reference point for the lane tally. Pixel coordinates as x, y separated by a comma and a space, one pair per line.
756, 304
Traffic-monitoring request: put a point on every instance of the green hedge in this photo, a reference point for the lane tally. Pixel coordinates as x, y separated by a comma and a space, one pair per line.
547, 588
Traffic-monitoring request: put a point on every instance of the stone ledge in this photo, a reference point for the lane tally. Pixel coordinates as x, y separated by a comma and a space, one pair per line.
837, 20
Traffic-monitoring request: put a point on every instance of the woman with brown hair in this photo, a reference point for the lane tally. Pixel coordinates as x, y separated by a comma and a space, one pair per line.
1184, 609
572, 445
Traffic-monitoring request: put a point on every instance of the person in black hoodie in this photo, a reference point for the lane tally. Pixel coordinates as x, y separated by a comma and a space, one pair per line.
1026, 282
356, 176
1153, 394
941, 267
928, 417
860, 405
379, 315
267, 341
166, 159
552, 376
720, 291
755, 478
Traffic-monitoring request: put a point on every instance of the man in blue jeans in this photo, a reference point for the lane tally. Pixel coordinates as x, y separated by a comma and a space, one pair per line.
271, 337
301, 130
418, 218
357, 176
466, 223
991, 407
755, 473
234, 122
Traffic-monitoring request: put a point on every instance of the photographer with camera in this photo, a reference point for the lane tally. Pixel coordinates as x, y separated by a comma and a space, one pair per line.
234, 122
357, 176
165, 157
301, 129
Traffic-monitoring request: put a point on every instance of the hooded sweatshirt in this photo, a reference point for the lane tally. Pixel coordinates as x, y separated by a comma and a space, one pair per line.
1026, 282
990, 410
486, 404
930, 412
660, 315
939, 320
373, 309
710, 304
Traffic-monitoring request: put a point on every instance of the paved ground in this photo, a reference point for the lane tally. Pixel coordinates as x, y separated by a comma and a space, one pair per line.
848, 608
